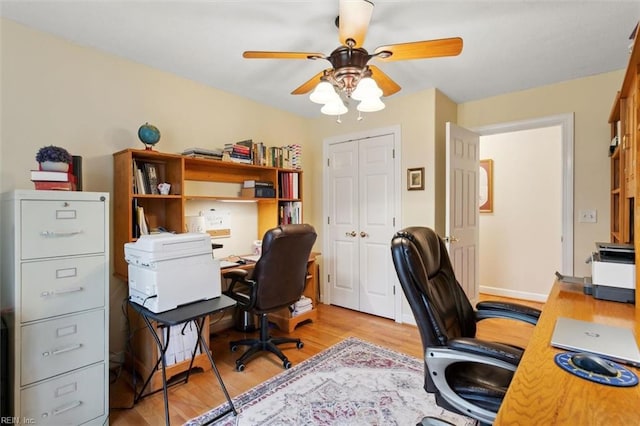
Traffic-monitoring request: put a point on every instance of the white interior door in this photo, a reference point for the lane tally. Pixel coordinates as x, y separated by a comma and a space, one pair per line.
376, 177
462, 217
343, 257
361, 222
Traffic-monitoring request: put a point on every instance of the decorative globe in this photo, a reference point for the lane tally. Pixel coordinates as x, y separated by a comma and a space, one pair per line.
149, 135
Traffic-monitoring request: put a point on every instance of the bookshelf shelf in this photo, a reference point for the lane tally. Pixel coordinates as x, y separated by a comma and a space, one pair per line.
168, 211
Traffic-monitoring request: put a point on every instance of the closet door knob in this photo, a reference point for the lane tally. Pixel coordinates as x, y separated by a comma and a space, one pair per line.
350, 234
363, 234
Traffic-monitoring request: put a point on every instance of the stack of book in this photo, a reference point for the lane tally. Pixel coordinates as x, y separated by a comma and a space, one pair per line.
239, 152
301, 306
50, 180
214, 154
257, 189
289, 185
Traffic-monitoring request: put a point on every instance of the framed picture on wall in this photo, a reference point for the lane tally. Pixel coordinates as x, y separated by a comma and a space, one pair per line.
415, 179
486, 186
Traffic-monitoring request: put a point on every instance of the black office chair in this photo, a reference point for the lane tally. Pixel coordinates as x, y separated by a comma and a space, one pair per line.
277, 282
467, 375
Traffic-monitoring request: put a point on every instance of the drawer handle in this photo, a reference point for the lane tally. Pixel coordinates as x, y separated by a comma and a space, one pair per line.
54, 234
62, 350
63, 291
67, 407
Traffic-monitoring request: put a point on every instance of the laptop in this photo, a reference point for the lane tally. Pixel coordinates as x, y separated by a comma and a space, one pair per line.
615, 343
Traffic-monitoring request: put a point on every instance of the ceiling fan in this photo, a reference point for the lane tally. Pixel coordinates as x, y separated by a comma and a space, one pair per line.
350, 62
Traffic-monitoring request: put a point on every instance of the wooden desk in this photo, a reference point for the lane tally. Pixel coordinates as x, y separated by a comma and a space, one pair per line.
543, 394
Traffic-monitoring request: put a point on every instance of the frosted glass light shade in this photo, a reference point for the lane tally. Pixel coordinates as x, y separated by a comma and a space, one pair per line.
323, 93
371, 105
366, 89
334, 108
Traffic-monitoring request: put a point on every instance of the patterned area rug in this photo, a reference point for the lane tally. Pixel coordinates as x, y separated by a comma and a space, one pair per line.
351, 383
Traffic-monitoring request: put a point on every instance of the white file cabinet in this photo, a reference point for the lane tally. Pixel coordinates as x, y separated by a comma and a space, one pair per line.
55, 300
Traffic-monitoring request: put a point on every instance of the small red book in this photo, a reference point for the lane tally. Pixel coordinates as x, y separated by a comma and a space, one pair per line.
56, 186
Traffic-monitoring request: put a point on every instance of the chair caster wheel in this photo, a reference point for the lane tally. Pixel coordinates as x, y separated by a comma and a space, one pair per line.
299, 345
234, 348
286, 364
239, 367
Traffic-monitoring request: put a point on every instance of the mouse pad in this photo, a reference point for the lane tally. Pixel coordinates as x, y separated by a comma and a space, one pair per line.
625, 377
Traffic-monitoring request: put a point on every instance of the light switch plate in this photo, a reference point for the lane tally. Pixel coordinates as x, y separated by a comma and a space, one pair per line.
588, 216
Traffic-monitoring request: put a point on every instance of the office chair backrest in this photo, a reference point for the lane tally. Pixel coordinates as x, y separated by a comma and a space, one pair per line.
282, 268
438, 302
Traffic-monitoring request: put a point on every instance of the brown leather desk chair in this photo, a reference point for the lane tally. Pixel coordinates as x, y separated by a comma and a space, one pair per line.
278, 280
467, 375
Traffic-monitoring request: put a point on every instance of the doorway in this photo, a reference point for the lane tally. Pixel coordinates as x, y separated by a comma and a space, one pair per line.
362, 208
534, 236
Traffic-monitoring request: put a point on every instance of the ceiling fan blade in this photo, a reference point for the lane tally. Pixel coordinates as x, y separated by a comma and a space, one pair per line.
310, 84
421, 49
258, 54
354, 17
388, 86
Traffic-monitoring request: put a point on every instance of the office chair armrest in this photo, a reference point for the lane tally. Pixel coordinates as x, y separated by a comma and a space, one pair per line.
236, 274
483, 348
245, 295
516, 311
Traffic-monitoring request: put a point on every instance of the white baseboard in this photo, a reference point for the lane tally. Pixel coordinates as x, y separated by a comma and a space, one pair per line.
524, 295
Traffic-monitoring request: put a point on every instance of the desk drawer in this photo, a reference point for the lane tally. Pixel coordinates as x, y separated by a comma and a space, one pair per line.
55, 287
61, 228
60, 345
71, 399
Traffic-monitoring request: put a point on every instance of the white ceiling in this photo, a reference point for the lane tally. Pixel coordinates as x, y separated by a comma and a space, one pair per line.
508, 45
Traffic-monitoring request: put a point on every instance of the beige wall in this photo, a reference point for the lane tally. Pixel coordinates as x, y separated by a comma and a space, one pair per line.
55, 92
92, 103
590, 99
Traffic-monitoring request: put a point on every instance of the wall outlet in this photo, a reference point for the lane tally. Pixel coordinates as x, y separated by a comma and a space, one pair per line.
588, 216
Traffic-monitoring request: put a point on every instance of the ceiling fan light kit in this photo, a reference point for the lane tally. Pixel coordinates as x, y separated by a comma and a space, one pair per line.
351, 76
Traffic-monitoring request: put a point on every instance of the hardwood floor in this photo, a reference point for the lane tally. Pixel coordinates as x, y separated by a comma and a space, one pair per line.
334, 324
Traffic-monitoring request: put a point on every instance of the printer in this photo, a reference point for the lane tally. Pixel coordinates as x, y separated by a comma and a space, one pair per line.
613, 272
168, 270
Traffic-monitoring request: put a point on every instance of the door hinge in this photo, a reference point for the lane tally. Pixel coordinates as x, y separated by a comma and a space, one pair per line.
394, 222
328, 220
328, 278
394, 290
328, 162
393, 153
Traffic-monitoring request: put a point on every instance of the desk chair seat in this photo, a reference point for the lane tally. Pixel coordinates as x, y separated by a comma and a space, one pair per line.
277, 282
467, 375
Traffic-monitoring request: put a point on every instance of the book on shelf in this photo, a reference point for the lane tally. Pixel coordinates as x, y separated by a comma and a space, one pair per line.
146, 177
215, 154
289, 185
47, 185
258, 192
151, 172
143, 226
257, 183
52, 176
290, 212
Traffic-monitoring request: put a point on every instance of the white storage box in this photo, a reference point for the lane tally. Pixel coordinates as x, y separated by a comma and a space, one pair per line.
169, 270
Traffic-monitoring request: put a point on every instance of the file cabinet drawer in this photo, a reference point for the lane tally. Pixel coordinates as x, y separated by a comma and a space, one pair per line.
71, 399
63, 344
61, 228
61, 286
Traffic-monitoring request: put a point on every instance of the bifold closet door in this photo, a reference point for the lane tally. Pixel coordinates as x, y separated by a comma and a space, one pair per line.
362, 178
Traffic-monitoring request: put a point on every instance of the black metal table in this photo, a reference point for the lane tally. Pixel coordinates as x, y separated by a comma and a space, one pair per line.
196, 312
